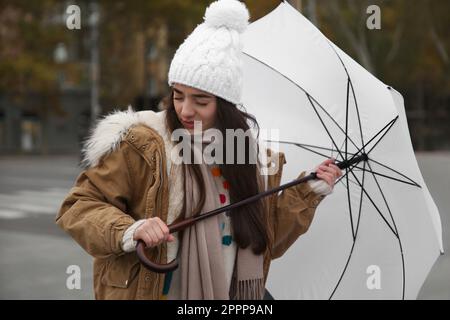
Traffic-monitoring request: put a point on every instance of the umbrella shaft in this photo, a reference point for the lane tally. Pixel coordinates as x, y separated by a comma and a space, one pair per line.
353, 160
190, 221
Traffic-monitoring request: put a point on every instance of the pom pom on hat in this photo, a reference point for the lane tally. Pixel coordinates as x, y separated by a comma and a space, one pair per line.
231, 14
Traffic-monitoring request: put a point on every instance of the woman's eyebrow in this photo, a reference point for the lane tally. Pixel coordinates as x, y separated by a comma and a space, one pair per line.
177, 91
198, 95
201, 95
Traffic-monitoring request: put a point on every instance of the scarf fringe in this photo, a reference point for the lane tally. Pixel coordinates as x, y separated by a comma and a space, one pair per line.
252, 289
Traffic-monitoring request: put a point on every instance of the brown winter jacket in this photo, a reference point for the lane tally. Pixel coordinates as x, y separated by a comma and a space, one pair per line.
127, 178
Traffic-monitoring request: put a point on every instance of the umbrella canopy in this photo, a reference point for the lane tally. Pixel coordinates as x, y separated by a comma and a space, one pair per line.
379, 233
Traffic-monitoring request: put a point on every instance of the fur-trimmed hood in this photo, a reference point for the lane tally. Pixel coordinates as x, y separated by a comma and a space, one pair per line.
106, 135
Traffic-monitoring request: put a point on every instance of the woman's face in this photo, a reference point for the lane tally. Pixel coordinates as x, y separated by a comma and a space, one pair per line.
194, 105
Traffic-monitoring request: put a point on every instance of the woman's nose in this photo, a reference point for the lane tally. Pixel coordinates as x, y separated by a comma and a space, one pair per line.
187, 110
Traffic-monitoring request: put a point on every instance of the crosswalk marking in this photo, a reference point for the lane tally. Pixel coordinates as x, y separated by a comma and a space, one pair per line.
45, 201
25, 203
11, 214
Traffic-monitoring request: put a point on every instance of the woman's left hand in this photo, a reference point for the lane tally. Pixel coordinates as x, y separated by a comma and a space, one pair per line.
329, 172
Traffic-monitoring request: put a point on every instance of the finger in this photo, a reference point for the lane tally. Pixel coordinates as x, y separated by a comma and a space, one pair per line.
333, 165
146, 238
157, 232
328, 162
325, 163
328, 178
334, 170
330, 170
152, 237
323, 176
170, 238
338, 170
138, 235
326, 168
163, 227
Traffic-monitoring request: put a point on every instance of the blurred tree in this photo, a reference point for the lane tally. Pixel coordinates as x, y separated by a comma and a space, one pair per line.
31, 32
26, 59
409, 52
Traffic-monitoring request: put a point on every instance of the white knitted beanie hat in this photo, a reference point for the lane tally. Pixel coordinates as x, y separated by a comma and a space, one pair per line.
210, 58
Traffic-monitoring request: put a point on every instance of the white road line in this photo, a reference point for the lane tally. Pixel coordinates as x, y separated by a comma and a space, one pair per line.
41, 181
43, 200
31, 202
28, 208
11, 214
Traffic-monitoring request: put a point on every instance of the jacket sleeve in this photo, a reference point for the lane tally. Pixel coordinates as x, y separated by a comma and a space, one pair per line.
293, 214
94, 211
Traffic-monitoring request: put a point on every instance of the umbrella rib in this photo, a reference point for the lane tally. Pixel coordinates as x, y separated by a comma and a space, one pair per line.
384, 198
397, 172
343, 271
329, 116
353, 91
361, 197
322, 148
332, 150
303, 146
382, 136
346, 119
357, 113
395, 226
346, 152
307, 146
388, 125
354, 239
388, 177
306, 92
373, 203
350, 205
346, 169
323, 124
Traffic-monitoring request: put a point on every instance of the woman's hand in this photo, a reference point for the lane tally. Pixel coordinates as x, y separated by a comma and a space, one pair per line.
153, 232
329, 172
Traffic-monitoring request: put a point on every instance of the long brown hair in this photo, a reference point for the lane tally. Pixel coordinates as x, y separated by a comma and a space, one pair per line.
248, 222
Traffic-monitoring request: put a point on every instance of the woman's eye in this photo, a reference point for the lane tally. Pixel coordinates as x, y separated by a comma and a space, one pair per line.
202, 103
178, 98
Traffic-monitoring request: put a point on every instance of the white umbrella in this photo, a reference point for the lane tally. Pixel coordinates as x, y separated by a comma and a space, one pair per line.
379, 233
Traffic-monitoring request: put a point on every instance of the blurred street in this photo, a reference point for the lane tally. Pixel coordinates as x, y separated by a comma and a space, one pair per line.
35, 253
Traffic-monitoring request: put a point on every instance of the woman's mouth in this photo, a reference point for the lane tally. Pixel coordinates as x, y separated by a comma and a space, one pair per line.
188, 124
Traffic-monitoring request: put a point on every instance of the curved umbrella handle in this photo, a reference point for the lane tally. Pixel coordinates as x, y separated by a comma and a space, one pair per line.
163, 268
152, 266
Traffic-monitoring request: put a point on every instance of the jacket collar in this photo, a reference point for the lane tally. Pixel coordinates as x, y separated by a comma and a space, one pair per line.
109, 131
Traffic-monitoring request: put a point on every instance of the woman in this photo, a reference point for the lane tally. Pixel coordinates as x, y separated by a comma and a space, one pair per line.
132, 187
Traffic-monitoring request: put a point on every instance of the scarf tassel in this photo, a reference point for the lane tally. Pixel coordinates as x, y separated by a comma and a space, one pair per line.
252, 289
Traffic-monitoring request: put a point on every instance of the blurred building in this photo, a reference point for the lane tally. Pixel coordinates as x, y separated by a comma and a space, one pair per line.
59, 121
25, 128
